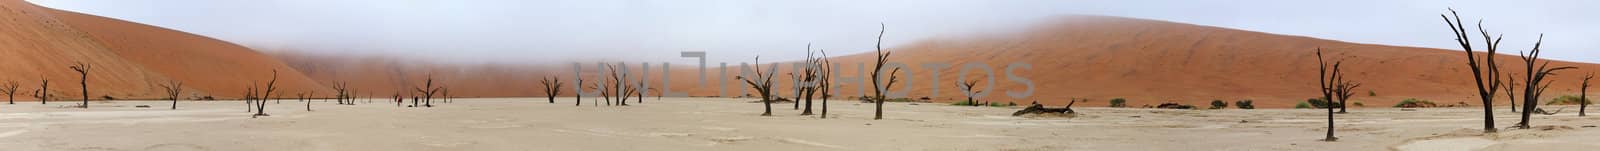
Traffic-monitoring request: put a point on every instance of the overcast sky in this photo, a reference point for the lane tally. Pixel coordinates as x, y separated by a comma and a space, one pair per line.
534, 31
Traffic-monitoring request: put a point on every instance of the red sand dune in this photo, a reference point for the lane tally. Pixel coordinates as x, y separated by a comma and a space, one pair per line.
130, 60
1095, 57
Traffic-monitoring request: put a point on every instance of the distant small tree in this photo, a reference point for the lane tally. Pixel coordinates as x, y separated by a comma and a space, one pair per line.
44, 90
341, 90
1119, 102
10, 88
1344, 89
302, 96
83, 80
1245, 104
427, 90
967, 89
577, 97
173, 89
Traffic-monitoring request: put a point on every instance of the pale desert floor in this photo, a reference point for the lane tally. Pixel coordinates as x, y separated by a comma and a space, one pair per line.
733, 124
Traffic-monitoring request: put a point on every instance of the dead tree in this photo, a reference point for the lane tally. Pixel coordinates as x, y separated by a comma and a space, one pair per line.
640, 92
1485, 78
303, 99
83, 80
1328, 81
577, 98
249, 98
877, 69
1583, 94
427, 92
825, 82
10, 88
1511, 96
620, 87
341, 90
967, 89
173, 89
763, 84
261, 105
1344, 89
398, 101
1040, 109
44, 90
445, 92
809, 75
1535, 84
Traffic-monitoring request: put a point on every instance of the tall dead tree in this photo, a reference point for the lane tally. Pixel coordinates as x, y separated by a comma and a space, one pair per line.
1583, 94
808, 75
427, 92
10, 88
83, 80
825, 82
261, 105
1486, 79
967, 89
1328, 81
763, 84
878, 86
173, 89
1535, 84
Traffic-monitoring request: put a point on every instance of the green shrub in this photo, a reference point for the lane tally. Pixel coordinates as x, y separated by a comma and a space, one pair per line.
1359, 104
962, 103
1371, 93
1322, 103
1119, 102
1218, 104
1415, 103
1302, 105
1567, 100
901, 100
1245, 104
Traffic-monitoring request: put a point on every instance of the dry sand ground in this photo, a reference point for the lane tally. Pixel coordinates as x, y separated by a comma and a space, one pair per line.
732, 124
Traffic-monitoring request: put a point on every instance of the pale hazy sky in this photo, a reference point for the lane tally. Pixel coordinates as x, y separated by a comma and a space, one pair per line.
532, 31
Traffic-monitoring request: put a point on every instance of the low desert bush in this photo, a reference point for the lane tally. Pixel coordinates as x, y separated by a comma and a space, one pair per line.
1119, 102
1218, 104
1245, 104
1302, 105
1567, 100
1322, 103
1415, 103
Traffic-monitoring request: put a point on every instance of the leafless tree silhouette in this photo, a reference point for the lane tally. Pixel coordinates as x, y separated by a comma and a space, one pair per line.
249, 97
10, 88
1486, 79
763, 84
825, 81
302, 96
341, 90
1535, 84
83, 80
1344, 89
578, 97
1329, 83
1583, 94
44, 90
620, 88
879, 85
427, 90
173, 89
261, 105
808, 74
967, 89
1511, 96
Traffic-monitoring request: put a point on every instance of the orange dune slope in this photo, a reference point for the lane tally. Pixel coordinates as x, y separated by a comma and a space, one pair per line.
130, 60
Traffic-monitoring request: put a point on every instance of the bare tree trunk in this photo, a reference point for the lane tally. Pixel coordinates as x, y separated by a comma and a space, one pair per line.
883, 58
1486, 87
83, 80
1583, 95
1327, 83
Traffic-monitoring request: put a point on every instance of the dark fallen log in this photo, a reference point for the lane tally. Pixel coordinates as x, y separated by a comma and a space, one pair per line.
1174, 106
1542, 111
1040, 109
